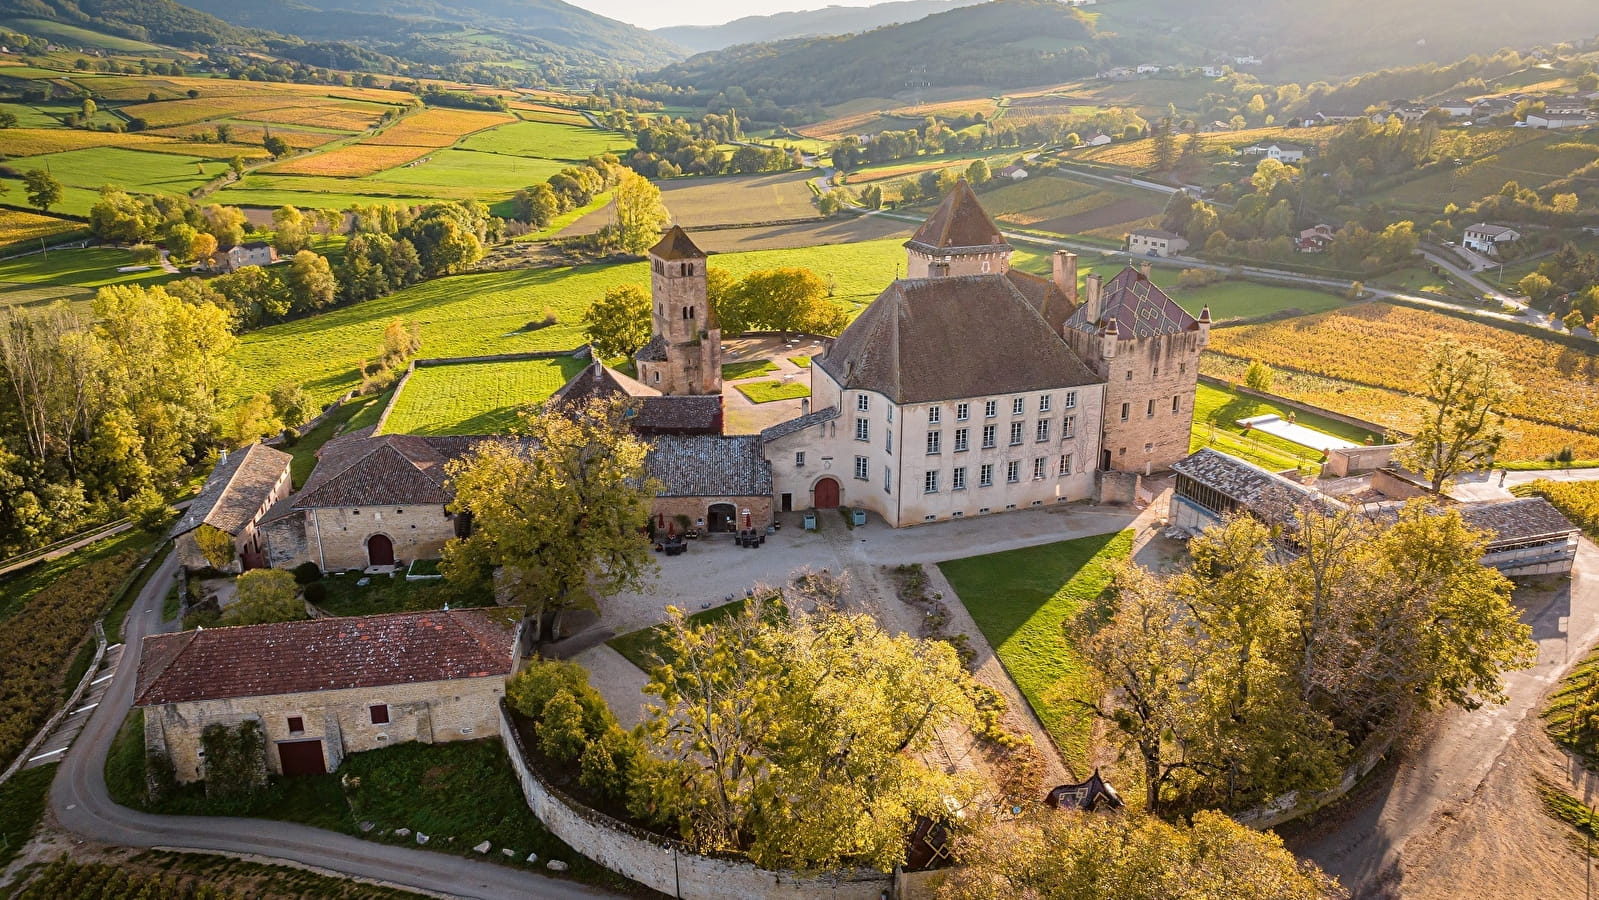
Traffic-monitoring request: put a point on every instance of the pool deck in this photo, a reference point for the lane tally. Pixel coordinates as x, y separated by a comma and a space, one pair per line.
1277, 426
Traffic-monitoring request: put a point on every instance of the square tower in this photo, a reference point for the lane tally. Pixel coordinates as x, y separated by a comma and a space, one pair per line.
684, 355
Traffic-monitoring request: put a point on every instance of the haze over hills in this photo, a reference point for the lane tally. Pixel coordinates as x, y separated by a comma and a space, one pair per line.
832, 20
160, 21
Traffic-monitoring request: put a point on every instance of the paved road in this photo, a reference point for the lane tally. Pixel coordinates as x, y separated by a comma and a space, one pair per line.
1367, 849
81, 805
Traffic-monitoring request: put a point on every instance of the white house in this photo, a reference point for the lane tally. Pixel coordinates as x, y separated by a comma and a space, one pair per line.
255, 253
1246, 60
1288, 153
1486, 238
1155, 242
1213, 71
1014, 173
1558, 120
1456, 108
1097, 139
1148, 69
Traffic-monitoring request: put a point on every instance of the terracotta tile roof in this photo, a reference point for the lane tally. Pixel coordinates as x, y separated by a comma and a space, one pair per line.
386, 470
960, 222
235, 490
710, 466
324, 655
793, 426
1138, 307
1045, 296
675, 244
933, 339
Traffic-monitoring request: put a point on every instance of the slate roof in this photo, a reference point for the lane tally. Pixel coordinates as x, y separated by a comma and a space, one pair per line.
652, 413
794, 426
1247, 484
1044, 295
1159, 233
709, 466
959, 223
675, 244
1138, 307
654, 351
235, 490
1089, 795
324, 655
385, 470
1483, 228
1513, 521
930, 339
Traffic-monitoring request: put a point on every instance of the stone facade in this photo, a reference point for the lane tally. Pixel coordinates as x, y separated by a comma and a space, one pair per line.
684, 356
432, 712
340, 539
701, 510
235, 499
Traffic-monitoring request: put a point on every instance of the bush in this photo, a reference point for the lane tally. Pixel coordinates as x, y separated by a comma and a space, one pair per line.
316, 592
561, 734
529, 692
235, 760
606, 764
290, 437
306, 572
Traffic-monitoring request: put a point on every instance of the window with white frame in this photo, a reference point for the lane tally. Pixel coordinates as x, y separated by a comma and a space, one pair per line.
935, 442
1040, 467
1042, 429
863, 429
888, 480
861, 468
990, 408
985, 475
1013, 471
930, 483
1015, 433
799, 459
961, 436
990, 436
957, 479
1071, 399
963, 411
1068, 426
1018, 406
1065, 464
863, 403
1044, 401
934, 414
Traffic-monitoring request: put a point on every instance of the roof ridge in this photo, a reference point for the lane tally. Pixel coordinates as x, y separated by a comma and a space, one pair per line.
385, 444
188, 637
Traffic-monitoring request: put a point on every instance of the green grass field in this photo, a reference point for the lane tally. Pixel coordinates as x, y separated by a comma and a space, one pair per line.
546, 140
475, 398
770, 391
1021, 599
1216, 412
42, 279
484, 313
84, 172
79, 36
643, 647
749, 368
28, 116
463, 173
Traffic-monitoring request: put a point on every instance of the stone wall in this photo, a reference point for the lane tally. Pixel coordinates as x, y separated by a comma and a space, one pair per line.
336, 539
1358, 460
431, 712
1391, 483
697, 509
666, 865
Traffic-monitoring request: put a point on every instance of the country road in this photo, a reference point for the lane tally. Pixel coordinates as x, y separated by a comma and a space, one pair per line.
81, 805
1430, 786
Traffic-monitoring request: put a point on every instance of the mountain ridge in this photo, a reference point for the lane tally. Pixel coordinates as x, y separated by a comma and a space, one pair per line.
827, 21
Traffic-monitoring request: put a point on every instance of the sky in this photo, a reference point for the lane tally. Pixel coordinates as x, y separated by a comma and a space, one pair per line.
656, 13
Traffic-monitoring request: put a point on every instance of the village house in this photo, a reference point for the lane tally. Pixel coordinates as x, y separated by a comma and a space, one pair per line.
1316, 239
1148, 69
1213, 71
236, 496
1156, 242
1456, 107
323, 689
1486, 238
1278, 150
1013, 172
1554, 121
1096, 139
255, 253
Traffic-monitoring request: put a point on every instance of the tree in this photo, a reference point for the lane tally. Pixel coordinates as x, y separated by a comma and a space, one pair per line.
640, 214
89, 109
288, 230
1535, 286
120, 217
180, 242
558, 512
1087, 856
1466, 388
203, 247
310, 282
254, 418
225, 223
1258, 376
8, 120
276, 146
236, 164
1165, 145
978, 172
401, 341
42, 190
789, 299
1268, 174
618, 324
265, 595
537, 205
293, 405
722, 294
215, 545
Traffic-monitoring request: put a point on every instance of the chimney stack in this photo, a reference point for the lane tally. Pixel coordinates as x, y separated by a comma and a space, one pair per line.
1091, 301
1145, 268
1065, 272
1204, 326
1108, 340
805, 406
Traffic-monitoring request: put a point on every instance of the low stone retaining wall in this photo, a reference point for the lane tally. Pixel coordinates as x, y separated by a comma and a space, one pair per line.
663, 864
1292, 805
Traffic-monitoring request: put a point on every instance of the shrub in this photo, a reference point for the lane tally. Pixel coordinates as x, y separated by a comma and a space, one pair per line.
307, 572
290, 437
561, 734
215, 545
235, 760
606, 764
529, 692
316, 592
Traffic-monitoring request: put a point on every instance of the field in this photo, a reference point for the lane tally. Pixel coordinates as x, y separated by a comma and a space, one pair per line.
1365, 360
1021, 599
1140, 155
42, 278
251, 135
436, 127
462, 173
1217, 411
83, 172
1060, 205
1536, 159
771, 391
538, 112
350, 161
544, 140
17, 226
484, 313
475, 398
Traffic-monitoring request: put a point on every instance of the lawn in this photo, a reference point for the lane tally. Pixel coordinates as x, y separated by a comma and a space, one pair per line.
1021, 600
749, 368
22, 802
475, 398
381, 595
458, 793
463, 173
643, 647
1217, 410
770, 391
547, 140
484, 313
91, 267
83, 172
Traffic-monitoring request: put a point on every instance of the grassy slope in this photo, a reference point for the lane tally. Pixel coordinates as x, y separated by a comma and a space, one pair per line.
476, 398
22, 802
546, 140
83, 172
1020, 600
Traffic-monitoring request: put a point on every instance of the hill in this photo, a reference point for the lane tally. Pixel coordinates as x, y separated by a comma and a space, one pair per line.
157, 21
805, 23
995, 44
568, 42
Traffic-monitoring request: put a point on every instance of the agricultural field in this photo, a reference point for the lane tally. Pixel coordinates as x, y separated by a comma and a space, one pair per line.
1577, 500
545, 140
475, 398
725, 200
1364, 361
349, 161
487, 313
436, 127
18, 227
1061, 205
462, 173
61, 31
539, 112
25, 142
83, 172
248, 134
72, 275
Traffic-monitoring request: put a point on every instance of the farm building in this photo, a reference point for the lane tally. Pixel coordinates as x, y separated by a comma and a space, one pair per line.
255, 253
1485, 238
322, 689
1156, 242
237, 495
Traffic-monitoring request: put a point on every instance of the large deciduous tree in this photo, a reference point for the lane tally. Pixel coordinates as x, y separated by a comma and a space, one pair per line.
618, 323
42, 190
558, 510
640, 214
1467, 389
787, 300
265, 595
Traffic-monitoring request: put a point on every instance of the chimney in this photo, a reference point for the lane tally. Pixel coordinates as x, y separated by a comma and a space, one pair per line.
1144, 269
1065, 272
1108, 340
1091, 301
805, 406
1204, 326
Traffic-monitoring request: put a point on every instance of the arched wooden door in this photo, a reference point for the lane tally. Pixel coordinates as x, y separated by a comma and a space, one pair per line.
379, 550
826, 492
720, 518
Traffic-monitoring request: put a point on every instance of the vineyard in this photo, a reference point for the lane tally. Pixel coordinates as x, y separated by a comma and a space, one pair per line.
17, 226
437, 127
1577, 500
1364, 361
97, 881
350, 162
38, 642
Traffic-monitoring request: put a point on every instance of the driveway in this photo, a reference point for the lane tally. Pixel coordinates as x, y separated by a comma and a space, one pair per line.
81, 805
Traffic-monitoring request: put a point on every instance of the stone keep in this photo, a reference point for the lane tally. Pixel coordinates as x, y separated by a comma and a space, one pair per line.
684, 355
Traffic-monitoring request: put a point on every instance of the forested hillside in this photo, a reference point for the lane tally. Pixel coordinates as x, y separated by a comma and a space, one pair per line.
160, 21
805, 23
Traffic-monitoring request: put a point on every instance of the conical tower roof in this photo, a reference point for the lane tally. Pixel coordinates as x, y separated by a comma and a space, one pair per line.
675, 244
959, 223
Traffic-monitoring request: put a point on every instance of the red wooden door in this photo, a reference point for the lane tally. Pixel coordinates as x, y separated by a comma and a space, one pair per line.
302, 758
380, 550
827, 494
